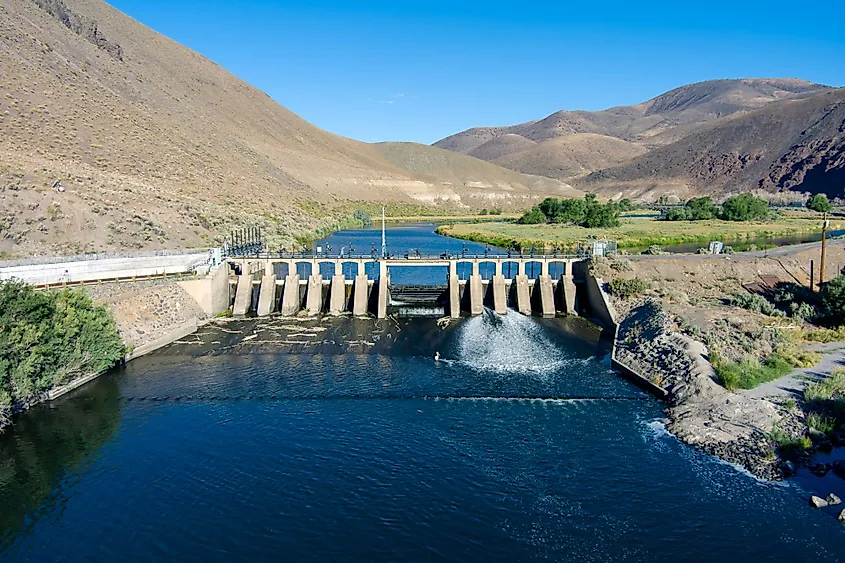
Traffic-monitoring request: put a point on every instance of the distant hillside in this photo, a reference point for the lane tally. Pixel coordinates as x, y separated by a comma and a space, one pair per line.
455, 171
794, 145
659, 121
571, 156
158, 146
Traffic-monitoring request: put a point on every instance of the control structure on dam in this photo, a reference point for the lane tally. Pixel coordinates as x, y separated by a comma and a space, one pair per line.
545, 285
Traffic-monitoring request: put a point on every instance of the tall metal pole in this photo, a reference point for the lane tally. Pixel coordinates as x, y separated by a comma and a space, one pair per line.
824, 245
383, 237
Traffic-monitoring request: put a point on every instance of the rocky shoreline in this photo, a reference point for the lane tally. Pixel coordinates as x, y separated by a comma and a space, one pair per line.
701, 412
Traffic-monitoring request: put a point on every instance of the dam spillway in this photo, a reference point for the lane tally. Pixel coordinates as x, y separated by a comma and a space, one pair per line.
543, 285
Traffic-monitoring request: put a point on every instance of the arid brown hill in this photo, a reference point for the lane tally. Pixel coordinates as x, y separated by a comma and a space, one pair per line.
157, 146
571, 156
657, 122
796, 145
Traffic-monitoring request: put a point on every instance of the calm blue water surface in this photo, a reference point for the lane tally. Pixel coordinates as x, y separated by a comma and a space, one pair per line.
522, 445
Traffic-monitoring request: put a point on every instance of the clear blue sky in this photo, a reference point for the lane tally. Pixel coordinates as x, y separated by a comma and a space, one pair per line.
419, 71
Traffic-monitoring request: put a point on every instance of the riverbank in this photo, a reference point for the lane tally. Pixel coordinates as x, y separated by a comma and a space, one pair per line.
637, 232
684, 314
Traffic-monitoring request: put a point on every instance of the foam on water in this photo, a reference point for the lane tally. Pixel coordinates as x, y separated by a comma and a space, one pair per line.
511, 343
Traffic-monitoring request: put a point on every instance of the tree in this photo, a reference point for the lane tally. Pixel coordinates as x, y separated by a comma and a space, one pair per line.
483, 211
676, 214
601, 216
533, 217
819, 203
745, 207
701, 209
624, 205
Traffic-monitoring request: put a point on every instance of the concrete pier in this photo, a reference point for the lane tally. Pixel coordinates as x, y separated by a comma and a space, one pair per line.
314, 295
476, 295
523, 297
454, 297
267, 295
360, 295
547, 295
337, 296
566, 287
290, 295
500, 297
243, 295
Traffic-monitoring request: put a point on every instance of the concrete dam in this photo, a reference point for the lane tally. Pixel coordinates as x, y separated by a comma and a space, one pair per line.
541, 285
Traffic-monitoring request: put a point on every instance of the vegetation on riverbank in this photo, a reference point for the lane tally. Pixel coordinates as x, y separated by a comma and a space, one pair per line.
48, 339
637, 232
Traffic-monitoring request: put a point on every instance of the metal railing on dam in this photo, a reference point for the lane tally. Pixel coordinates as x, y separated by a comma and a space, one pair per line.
285, 291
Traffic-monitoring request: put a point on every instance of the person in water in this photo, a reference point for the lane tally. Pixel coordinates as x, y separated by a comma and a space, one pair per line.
437, 356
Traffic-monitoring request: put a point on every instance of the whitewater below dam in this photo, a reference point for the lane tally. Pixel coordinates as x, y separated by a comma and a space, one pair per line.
269, 439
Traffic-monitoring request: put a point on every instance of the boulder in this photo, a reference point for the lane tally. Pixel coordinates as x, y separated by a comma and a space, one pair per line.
788, 469
842, 515
820, 469
817, 502
833, 500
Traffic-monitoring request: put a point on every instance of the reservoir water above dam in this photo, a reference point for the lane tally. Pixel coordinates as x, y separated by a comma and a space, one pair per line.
520, 444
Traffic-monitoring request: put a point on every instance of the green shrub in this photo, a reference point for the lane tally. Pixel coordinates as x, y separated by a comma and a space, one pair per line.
754, 302
826, 335
48, 338
621, 266
749, 372
627, 288
532, 217
826, 389
820, 423
483, 211
788, 443
745, 207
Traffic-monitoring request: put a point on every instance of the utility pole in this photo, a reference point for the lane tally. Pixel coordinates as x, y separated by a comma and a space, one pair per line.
383, 237
825, 224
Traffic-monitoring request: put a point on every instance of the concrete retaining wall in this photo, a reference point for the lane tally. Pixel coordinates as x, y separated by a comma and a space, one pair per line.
211, 292
107, 268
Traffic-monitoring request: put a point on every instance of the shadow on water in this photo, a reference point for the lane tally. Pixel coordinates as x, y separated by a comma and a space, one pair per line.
45, 446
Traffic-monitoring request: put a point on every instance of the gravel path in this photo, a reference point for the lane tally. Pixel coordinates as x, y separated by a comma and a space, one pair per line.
833, 356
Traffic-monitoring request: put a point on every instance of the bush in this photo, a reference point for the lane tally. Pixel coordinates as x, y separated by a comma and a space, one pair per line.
363, 216
483, 211
826, 389
624, 205
826, 335
627, 288
497, 211
754, 302
654, 250
695, 209
803, 311
833, 298
745, 207
749, 372
789, 443
533, 217
48, 338
621, 266
821, 423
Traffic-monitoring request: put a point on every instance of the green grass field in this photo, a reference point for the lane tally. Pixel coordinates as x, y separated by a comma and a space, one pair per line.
636, 232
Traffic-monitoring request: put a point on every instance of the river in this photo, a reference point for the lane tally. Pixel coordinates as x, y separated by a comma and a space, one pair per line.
521, 444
